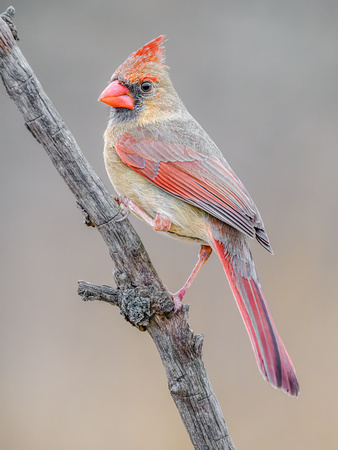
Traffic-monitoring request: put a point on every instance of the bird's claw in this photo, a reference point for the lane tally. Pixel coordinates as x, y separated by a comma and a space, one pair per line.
121, 200
123, 203
177, 298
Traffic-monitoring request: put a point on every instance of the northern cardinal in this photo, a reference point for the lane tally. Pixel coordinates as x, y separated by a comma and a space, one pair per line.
169, 172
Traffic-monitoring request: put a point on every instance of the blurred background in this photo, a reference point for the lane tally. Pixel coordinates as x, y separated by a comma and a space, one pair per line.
261, 78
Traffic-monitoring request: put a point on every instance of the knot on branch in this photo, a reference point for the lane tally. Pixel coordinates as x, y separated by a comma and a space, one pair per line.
139, 305
135, 307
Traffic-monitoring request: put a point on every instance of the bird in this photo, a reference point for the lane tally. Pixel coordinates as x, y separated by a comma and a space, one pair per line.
168, 172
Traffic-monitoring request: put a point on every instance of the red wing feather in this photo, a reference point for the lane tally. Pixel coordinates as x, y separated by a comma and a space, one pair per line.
207, 183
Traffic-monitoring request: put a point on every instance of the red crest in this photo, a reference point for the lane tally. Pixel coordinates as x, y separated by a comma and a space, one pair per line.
153, 51
139, 65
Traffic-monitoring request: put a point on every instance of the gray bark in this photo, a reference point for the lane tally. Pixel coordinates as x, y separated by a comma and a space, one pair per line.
139, 293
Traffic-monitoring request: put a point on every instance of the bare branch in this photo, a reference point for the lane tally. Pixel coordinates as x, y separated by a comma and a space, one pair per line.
140, 294
90, 292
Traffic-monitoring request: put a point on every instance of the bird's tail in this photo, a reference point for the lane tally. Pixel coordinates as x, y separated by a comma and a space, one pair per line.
273, 361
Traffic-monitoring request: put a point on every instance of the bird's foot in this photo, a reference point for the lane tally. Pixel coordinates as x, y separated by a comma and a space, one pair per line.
123, 203
178, 297
160, 223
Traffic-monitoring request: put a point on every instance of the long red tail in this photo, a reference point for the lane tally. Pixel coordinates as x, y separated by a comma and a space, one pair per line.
271, 356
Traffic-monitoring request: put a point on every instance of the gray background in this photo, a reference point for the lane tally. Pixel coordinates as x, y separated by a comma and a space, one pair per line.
261, 78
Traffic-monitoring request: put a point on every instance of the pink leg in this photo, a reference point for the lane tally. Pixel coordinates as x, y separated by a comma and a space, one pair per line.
162, 224
203, 256
159, 223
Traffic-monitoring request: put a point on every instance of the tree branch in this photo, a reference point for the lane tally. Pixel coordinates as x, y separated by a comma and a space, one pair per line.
139, 293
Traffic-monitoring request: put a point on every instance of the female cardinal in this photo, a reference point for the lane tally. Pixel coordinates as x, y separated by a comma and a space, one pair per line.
168, 171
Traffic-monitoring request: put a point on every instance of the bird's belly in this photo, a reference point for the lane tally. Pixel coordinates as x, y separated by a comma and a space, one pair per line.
187, 221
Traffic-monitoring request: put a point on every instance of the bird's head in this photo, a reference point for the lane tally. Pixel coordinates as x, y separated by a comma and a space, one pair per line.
140, 89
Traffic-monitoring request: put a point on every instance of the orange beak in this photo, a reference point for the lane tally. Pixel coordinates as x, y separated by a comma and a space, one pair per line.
117, 95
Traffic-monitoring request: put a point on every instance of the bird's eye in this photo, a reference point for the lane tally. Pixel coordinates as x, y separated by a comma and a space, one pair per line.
146, 86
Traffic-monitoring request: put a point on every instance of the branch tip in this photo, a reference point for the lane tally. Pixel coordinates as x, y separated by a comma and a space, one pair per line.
7, 16
10, 11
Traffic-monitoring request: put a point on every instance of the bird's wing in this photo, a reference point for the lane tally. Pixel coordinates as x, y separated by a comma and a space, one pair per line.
199, 179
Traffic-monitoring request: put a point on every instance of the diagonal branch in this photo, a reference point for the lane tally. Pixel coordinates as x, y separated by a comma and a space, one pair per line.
139, 293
